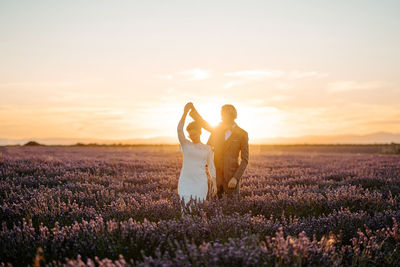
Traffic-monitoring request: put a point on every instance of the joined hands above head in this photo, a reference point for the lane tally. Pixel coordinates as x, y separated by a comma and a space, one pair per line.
188, 107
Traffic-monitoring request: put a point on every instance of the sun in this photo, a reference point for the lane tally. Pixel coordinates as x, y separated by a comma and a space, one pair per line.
259, 122
210, 112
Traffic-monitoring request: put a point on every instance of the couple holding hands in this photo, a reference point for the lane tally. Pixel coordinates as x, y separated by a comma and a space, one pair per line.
221, 155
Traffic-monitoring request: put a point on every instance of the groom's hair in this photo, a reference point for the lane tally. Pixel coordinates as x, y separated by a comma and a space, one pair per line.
194, 125
229, 109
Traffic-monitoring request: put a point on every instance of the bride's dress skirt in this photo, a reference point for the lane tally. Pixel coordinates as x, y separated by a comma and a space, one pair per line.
193, 178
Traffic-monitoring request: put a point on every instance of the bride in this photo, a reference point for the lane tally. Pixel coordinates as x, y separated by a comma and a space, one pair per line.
196, 155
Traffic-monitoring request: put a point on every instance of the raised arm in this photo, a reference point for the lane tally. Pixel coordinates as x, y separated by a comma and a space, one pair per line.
203, 123
181, 135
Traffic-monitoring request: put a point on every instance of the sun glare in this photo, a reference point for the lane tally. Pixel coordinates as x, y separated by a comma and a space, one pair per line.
210, 112
259, 122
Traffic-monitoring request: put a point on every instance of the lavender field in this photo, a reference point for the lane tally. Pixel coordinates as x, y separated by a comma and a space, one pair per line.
330, 206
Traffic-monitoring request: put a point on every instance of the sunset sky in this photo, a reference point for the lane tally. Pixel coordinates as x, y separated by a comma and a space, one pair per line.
125, 69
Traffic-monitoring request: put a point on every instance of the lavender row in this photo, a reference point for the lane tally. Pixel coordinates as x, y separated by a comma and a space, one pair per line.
156, 244
101, 203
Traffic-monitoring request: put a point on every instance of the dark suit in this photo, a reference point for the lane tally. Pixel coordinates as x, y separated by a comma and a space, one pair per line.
226, 153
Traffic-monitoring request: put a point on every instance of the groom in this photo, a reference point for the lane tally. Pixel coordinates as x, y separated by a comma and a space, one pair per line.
227, 140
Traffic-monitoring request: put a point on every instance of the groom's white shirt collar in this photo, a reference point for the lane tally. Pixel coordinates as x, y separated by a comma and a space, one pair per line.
229, 132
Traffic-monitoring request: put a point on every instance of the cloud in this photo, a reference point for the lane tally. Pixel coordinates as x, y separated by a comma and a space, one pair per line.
283, 85
305, 74
197, 74
256, 74
36, 84
278, 98
170, 90
233, 83
383, 122
343, 86
245, 76
256, 102
166, 76
240, 77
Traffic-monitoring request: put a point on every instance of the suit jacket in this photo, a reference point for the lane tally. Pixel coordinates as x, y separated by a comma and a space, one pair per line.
226, 153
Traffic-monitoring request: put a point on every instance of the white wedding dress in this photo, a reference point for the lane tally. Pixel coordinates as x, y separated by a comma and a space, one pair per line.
193, 177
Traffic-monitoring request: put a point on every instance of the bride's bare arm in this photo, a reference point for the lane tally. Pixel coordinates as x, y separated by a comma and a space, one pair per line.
212, 172
211, 166
181, 135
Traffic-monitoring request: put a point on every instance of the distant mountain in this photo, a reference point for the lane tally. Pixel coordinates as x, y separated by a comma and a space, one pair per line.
73, 141
374, 138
